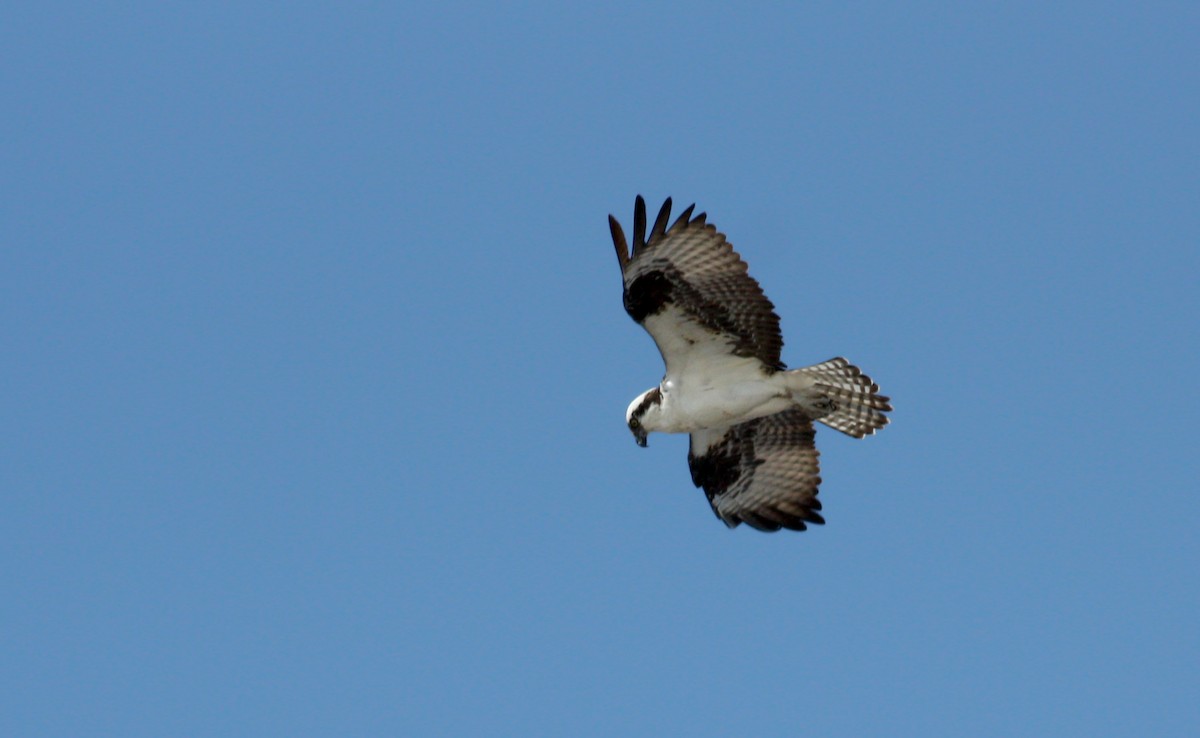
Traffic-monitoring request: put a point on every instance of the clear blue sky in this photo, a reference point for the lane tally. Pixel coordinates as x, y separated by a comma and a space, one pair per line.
315, 369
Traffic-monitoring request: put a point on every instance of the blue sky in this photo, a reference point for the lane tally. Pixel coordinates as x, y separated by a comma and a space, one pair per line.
315, 369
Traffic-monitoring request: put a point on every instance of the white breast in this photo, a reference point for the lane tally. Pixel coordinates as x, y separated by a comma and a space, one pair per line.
718, 399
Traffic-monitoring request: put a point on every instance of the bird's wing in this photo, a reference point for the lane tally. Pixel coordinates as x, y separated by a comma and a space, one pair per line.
691, 291
763, 472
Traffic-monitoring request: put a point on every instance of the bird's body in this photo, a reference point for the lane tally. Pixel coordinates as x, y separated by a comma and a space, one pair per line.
725, 394
750, 419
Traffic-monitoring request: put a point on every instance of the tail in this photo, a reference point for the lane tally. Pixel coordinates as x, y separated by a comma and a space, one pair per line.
857, 408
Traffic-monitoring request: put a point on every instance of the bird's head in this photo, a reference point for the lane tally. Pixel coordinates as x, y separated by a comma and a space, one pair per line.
642, 414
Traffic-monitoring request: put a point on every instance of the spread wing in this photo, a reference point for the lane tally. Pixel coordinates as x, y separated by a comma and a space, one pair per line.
691, 291
763, 473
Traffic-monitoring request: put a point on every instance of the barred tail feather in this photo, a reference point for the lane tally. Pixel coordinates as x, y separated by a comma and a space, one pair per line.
858, 409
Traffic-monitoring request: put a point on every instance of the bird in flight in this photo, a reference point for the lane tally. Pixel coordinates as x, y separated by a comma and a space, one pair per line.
750, 418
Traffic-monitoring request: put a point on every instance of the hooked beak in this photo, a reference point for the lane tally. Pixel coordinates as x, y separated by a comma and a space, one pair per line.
640, 438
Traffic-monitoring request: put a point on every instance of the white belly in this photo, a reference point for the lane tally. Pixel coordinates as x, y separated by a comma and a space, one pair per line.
698, 404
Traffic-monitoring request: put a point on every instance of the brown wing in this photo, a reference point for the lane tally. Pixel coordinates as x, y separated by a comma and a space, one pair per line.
763, 473
691, 291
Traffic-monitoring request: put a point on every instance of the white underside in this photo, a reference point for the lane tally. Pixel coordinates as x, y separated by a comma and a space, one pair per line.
709, 386
722, 394
688, 410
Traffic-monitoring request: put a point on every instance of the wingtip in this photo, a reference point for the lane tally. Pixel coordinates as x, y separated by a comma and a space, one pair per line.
639, 224
660, 223
619, 243
684, 218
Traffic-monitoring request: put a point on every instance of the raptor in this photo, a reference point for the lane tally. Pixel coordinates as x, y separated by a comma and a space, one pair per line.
750, 418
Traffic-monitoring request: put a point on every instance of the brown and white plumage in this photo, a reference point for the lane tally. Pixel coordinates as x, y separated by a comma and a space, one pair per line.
750, 420
692, 292
762, 472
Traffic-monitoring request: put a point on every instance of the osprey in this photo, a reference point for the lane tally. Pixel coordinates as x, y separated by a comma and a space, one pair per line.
750, 419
